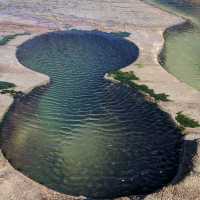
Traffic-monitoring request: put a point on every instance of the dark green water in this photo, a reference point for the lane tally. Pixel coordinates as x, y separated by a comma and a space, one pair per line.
6, 85
84, 135
182, 48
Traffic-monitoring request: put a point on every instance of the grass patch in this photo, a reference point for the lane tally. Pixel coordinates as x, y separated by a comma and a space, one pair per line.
121, 34
139, 65
186, 121
15, 94
7, 91
124, 77
151, 92
5, 39
128, 78
6, 85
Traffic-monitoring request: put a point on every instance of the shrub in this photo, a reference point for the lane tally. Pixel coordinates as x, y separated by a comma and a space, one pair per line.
186, 121
128, 78
7, 38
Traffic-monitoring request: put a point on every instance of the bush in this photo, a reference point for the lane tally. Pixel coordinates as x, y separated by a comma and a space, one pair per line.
7, 38
128, 78
186, 121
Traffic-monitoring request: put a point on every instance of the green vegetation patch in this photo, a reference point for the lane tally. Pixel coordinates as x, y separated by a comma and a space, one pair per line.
121, 34
128, 78
15, 94
124, 77
5, 39
186, 121
8, 88
139, 65
151, 92
6, 85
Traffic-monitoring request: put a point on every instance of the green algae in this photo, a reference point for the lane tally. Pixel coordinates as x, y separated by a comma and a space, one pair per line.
121, 34
139, 65
6, 85
5, 39
186, 121
129, 79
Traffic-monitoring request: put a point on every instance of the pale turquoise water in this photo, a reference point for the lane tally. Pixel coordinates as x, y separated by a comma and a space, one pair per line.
182, 48
84, 135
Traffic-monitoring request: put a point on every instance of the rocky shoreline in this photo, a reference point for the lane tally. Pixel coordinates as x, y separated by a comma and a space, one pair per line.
146, 26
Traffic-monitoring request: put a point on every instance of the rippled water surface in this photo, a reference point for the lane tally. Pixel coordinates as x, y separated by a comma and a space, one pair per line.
83, 135
182, 48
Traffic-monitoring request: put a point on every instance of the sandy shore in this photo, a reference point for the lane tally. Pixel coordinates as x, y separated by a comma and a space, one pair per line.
146, 25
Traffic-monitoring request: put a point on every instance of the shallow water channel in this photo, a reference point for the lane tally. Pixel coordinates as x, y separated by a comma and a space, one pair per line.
181, 55
83, 135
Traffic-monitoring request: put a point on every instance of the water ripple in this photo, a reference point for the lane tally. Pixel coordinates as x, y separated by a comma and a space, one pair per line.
84, 135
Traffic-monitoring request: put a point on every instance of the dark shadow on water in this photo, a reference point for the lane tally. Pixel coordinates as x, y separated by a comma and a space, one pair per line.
186, 163
121, 34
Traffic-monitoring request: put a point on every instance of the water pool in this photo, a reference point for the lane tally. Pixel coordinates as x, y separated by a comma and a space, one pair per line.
181, 55
83, 135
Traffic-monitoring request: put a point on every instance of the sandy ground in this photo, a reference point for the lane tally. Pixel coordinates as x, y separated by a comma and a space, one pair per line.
146, 25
